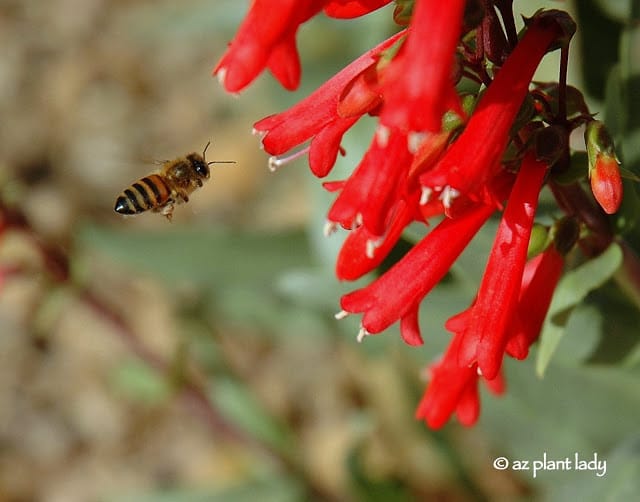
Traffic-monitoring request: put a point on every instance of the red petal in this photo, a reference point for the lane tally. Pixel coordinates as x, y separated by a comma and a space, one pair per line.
410, 329
326, 145
284, 63
468, 409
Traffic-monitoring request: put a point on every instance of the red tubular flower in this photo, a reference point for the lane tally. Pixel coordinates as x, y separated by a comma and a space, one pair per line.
489, 319
418, 86
266, 39
487, 132
541, 275
398, 293
317, 114
454, 389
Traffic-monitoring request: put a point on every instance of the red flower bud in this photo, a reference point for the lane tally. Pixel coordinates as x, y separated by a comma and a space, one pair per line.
606, 183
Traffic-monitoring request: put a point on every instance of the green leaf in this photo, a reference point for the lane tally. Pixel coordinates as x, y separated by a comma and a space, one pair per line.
619, 10
629, 80
620, 481
313, 289
571, 290
216, 257
241, 407
272, 489
617, 315
599, 37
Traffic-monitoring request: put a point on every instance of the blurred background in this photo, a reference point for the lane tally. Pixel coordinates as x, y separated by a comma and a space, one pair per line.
199, 360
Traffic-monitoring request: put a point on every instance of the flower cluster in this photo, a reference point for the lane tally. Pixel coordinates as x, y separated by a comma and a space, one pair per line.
436, 153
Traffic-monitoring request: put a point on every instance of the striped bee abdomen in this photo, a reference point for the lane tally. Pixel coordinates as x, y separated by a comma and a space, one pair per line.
151, 192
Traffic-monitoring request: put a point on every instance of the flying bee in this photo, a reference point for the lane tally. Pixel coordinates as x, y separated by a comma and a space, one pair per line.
172, 185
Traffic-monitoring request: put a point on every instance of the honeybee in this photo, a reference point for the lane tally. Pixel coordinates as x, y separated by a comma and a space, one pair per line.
172, 185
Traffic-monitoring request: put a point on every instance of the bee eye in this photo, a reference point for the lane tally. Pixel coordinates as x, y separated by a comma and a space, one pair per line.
202, 169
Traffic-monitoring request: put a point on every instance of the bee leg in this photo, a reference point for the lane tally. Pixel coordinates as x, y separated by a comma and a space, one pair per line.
168, 211
181, 197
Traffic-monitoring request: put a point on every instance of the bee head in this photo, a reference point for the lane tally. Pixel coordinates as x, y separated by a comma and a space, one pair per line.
199, 165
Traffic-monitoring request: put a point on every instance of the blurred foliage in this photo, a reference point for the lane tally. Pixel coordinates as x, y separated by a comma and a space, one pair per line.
220, 373
572, 289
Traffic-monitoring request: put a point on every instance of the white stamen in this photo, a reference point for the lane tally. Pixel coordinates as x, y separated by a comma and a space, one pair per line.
362, 333
382, 135
222, 74
479, 371
260, 134
341, 315
275, 163
357, 221
370, 249
425, 196
448, 195
415, 139
329, 228
371, 246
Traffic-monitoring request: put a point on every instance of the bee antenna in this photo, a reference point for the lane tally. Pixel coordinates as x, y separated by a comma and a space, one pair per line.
205, 149
221, 162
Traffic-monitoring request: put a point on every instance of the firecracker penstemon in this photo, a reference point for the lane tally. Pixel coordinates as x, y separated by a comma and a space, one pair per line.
446, 159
